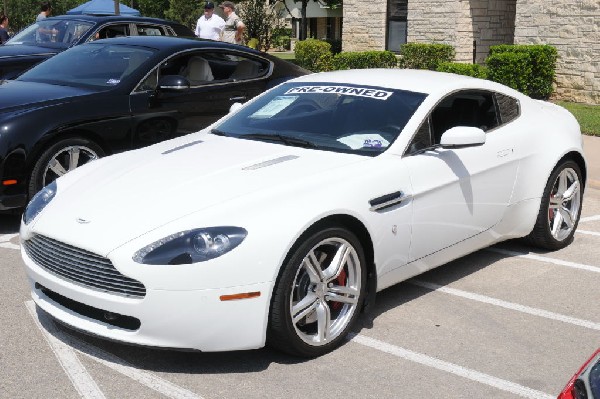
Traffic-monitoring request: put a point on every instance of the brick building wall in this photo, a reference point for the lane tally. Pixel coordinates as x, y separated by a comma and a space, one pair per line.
573, 27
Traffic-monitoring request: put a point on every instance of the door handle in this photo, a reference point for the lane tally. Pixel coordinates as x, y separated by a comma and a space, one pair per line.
239, 98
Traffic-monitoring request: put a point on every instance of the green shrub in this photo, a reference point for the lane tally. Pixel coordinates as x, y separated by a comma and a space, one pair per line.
282, 42
510, 69
364, 59
314, 55
474, 70
425, 55
541, 69
253, 43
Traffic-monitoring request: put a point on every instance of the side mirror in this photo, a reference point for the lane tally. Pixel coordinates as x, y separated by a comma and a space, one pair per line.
462, 136
173, 83
234, 107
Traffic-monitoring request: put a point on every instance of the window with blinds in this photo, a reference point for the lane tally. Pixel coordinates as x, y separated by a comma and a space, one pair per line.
397, 13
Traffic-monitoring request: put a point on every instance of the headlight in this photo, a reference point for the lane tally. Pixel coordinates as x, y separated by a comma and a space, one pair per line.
191, 246
39, 202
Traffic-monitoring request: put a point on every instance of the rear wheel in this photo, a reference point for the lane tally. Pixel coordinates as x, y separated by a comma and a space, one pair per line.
560, 208
319, 294
60, 158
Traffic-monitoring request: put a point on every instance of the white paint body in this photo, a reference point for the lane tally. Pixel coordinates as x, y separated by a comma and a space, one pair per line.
458, 201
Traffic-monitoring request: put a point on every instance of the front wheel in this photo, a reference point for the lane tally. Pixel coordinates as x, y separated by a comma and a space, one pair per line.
560, 208
60, 158
319, 294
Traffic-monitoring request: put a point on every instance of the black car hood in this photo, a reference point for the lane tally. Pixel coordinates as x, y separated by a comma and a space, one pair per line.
23, 50
15, 94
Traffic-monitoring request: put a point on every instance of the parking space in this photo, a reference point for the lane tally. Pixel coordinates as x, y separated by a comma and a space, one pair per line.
503, 322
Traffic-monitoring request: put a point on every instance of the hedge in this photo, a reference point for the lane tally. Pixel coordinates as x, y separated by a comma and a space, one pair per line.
535, 65
314, 55
425, 55
364, 59
474, 70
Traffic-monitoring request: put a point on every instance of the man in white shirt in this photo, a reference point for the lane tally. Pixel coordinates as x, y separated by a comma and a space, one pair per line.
210, 25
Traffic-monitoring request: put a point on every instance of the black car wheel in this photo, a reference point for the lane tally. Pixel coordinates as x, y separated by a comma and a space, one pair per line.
560, 208
60, 158
319, 293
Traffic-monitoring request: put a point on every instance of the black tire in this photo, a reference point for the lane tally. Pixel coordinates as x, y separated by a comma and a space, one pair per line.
559, 215
312, 290
69, 154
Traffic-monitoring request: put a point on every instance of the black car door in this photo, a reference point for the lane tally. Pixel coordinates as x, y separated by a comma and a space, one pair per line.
218, 78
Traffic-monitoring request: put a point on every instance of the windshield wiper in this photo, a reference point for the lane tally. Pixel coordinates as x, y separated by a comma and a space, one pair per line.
280, 138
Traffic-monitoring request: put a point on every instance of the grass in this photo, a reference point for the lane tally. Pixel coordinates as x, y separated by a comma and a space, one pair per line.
588, 116
284, 55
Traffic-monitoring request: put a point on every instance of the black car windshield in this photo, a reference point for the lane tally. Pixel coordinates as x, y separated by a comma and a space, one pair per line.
326, 116
95, 65
52, 33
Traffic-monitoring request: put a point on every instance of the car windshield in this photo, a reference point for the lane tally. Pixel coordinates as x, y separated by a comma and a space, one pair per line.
54, 33
326, 116
95, 65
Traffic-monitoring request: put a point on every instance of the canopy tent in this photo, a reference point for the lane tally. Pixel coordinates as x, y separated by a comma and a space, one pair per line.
102, 7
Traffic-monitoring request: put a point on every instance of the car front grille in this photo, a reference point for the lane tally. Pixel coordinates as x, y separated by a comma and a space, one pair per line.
81, 267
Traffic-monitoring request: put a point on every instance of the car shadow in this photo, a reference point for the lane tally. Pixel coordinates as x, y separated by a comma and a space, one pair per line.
250, 361
9, 223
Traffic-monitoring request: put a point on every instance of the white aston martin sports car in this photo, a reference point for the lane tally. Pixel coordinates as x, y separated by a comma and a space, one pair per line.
279, 223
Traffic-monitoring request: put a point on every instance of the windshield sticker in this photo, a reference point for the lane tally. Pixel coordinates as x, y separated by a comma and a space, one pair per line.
349, 91
113, 82
358, 141
275, 106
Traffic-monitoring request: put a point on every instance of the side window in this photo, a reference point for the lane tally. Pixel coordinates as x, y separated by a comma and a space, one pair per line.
150, 30
234, 67
109, 31
422, 138
508, 107
466, 108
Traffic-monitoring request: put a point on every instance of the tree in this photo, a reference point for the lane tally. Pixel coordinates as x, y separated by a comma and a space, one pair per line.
152, 8
261, 20
184, 11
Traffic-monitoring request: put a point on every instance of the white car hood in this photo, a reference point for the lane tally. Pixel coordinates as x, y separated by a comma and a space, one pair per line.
130, 194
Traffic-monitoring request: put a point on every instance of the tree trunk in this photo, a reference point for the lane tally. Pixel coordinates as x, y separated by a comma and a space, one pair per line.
304, 21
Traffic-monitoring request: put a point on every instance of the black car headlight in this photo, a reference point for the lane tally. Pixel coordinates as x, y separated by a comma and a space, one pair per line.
191, 246
39, 202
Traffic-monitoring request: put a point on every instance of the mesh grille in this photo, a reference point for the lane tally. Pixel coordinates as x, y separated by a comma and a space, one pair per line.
81, 267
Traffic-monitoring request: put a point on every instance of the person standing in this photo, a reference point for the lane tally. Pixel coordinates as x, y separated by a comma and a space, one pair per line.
3, 29
210, 25
46, 9
234, 27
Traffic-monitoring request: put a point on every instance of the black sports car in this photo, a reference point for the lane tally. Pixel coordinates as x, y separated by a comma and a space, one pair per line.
47, 37
111, 95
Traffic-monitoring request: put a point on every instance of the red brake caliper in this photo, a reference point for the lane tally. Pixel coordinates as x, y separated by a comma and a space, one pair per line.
340, 280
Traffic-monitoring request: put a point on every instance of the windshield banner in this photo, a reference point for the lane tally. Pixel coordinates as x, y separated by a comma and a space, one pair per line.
347, 90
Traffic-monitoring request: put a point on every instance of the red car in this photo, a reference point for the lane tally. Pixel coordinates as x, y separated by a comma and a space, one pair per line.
585, 384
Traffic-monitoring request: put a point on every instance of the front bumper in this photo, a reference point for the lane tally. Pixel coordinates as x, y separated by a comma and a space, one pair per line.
189, 319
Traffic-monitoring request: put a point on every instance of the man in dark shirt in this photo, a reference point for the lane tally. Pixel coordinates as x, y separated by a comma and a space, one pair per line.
3, 29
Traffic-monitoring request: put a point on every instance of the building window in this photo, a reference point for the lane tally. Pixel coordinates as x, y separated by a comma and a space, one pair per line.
397, 12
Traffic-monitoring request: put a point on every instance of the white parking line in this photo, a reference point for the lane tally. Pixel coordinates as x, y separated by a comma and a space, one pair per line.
546, 259
592, 233
450, 368
508, 305
65, 346
77, 373
5, 241
589, 219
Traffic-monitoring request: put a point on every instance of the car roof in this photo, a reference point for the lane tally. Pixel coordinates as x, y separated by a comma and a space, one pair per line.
421, 81
111, 18
174, 42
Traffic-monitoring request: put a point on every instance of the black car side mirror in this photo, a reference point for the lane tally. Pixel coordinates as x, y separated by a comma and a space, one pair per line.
173, 83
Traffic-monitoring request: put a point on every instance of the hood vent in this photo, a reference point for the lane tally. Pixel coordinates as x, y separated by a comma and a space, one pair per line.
181, 147
270, 162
